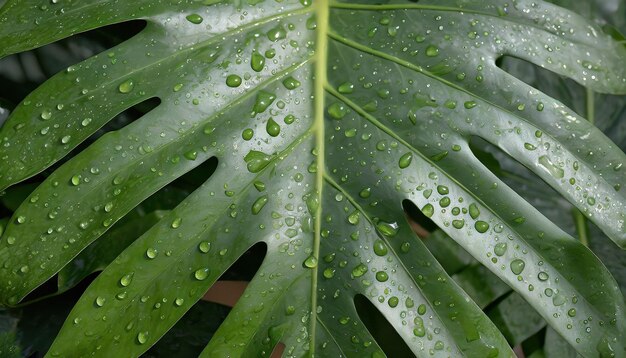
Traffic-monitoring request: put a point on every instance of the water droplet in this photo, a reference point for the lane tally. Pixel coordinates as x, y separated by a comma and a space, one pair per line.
470, 104
405, 160
194, 19
276, 34
126, 86
458, 224
354, 218
473, 211
481, 226
272, 128
151, 253
176, 223
500, 248
428, 210
142, 337
75, 180
393, 302
179, 301
291, 83
346, 88
100, 301
380, 248
259, 204
432, 51
46, 114
359, 270
204, 247
543, 276
85, 122
247, 134
387, 229
233, 81
201, 274
517, 266
382, 276
263, 100
126, 279
337, 110
257, 62
546, 163
310, 262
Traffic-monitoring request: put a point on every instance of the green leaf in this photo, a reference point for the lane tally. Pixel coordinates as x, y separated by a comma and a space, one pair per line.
516, 319
98, 255
556, 347
324, 117
14, 196
481, 285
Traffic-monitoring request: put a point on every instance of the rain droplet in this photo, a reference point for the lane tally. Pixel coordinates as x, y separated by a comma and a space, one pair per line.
233, 81
500, 248
194, 19
201, 274
517, 266
126, 86
126, 279
204, 247
272, 128
405, 160
259, 204
481, 226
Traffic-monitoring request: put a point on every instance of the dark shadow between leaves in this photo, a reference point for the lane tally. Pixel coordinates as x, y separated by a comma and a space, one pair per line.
421, 225
383, 332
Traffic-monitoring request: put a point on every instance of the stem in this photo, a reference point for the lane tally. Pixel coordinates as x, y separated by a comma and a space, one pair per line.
579, 218
581, 226
591, 106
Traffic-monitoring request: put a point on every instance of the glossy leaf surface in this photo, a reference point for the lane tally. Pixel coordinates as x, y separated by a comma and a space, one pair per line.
323, 117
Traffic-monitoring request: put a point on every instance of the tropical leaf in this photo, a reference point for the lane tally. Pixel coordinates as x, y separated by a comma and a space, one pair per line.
324, 118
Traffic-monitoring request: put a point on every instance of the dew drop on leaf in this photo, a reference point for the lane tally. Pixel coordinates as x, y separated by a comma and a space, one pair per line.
380, 248
517, 266
126, 86
233, 81
257, 62
310, 262
194, 18
258, 205
204, 247
151, 253
201, 274
405, 160
500, 248
142, 337
272, 128
481, 226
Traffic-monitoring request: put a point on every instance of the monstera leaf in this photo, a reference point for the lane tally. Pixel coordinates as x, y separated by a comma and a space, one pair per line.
325, 118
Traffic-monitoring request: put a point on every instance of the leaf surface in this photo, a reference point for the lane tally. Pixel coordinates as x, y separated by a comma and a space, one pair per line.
323, 117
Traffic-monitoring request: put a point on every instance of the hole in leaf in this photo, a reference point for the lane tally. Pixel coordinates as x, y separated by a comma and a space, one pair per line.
383, 332
232, 283
121, 120
22, 73
278, 350
420, 223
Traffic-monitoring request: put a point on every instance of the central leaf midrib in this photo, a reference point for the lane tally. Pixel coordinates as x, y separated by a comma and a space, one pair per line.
322, 10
